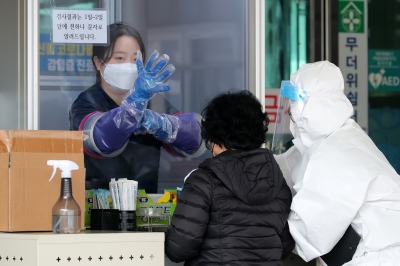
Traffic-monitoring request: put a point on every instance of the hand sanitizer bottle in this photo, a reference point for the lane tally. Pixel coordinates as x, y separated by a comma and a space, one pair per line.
66, 212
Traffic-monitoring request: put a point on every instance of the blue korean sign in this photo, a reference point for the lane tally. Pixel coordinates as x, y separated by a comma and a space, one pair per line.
353, 62
66, 58
384, 70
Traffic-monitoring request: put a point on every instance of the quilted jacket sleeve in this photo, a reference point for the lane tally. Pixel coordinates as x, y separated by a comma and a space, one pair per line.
287, 241
189, 222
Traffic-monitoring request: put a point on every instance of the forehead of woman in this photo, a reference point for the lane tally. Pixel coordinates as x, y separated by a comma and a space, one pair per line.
126, 45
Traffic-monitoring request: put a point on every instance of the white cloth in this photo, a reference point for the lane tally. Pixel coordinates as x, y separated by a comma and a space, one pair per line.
339, 176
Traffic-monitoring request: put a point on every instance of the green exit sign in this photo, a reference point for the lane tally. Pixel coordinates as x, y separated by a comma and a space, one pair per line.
351, 16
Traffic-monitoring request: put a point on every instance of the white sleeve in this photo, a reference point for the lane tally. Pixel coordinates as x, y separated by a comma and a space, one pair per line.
286, 162
322, 210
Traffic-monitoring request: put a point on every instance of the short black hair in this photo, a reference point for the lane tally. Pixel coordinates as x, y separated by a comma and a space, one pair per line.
115, 30
236, 120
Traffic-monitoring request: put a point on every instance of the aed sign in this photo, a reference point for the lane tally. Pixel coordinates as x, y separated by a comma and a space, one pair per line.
384, 70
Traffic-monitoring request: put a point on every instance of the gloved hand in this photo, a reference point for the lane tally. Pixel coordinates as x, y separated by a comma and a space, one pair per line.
110, 131
164, 127
182, 131
150, 79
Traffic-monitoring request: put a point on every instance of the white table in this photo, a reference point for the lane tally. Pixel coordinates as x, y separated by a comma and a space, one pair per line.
85, 248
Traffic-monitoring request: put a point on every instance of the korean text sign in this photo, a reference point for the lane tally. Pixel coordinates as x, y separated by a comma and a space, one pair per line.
70, 58
79, 26
353, 56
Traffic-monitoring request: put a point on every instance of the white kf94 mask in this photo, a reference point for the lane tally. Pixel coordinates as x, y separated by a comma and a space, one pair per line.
120, 76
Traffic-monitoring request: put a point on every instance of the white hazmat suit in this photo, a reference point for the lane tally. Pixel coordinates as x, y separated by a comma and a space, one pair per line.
339, 177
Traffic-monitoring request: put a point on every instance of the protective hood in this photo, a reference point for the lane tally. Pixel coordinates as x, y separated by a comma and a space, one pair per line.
326, 108
253, 176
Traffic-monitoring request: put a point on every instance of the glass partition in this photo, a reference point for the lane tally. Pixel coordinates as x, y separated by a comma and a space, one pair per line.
205, 39
65, 69
287, 46
384, 78
287, 42
286, 39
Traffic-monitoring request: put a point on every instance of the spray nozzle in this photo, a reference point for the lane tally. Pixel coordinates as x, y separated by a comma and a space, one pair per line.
66, 167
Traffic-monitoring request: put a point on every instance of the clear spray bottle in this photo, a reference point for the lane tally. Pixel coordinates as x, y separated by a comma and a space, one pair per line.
66, 212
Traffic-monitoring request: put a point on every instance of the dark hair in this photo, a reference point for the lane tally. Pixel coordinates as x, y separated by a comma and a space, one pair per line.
235, 120
115, 30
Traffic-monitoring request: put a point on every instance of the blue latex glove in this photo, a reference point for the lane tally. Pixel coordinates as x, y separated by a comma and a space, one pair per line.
150, 79
164, 127
181, 131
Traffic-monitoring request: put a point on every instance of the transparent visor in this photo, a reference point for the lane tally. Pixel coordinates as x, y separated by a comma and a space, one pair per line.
282, 135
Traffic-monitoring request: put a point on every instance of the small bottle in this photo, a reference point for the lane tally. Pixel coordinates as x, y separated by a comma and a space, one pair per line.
66, 212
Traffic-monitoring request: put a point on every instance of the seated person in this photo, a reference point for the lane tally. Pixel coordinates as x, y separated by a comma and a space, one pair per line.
233, 209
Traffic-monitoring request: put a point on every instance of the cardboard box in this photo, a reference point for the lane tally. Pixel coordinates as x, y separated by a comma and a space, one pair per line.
26, 195
4, 174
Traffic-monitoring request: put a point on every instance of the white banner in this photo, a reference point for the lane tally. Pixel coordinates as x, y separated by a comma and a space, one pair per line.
80, 26
353, 56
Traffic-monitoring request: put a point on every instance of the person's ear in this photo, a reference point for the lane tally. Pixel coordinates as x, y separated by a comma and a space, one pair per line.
97, 62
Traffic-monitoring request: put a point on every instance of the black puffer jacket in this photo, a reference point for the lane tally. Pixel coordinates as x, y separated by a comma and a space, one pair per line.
233, 210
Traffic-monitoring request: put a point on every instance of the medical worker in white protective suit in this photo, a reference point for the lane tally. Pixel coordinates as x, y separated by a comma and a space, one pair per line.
339, 177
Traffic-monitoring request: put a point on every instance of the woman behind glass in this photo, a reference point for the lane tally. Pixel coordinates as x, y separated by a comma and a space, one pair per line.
124, 133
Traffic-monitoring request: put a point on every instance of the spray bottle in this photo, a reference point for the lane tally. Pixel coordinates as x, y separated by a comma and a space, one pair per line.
66, 212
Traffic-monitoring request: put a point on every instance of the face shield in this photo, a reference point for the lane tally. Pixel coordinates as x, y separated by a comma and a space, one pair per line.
290, 106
